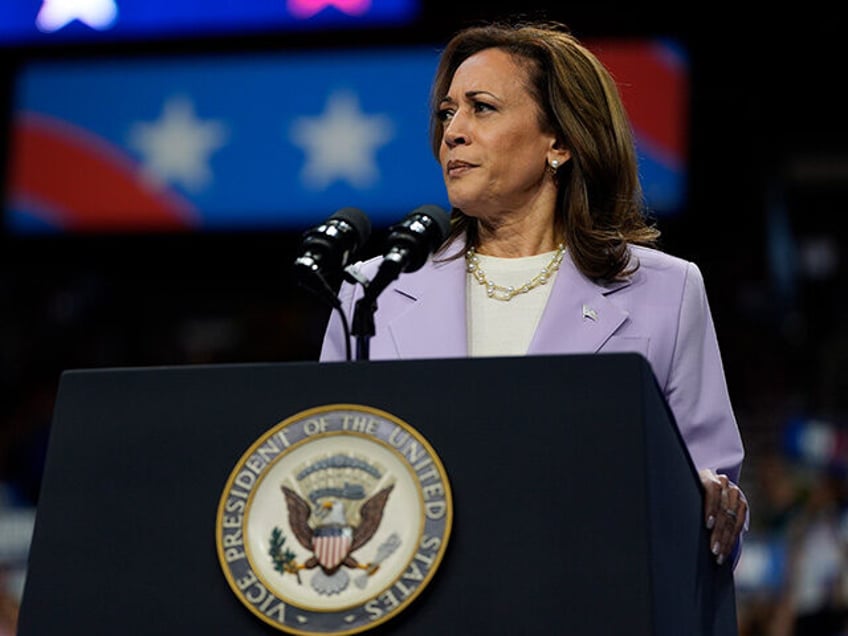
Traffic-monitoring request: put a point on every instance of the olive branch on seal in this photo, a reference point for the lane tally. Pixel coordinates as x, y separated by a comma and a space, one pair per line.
282, 557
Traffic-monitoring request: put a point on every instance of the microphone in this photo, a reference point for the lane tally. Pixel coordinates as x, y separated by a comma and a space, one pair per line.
327, 249
409, 243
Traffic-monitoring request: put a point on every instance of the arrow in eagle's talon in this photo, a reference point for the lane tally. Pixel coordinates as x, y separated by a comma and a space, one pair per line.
386, 548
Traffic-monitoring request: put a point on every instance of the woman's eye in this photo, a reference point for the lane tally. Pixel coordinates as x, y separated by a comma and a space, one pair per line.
444, 114
482, 107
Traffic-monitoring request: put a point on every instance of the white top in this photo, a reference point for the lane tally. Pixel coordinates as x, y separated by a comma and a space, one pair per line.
505, 328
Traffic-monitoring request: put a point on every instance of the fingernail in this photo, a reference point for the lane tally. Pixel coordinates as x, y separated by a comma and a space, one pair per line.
710, 522
715, 548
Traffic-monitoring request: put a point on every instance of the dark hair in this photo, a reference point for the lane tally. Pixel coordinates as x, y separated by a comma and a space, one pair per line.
600, 204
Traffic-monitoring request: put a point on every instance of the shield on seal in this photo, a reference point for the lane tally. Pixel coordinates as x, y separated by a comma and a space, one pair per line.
331, 545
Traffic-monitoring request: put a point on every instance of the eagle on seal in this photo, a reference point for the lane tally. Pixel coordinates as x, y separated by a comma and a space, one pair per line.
333, 540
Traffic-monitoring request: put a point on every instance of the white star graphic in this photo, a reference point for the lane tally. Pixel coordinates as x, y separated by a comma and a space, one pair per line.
342, 143
54, 14
177, 147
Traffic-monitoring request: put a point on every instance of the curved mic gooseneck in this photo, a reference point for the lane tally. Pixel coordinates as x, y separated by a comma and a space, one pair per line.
408, 246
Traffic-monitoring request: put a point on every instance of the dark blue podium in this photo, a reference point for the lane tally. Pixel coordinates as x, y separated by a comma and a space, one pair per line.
577, 509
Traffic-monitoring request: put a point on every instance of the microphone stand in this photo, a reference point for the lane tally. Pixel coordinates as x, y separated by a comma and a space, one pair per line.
363, 327
312, 279
418, 235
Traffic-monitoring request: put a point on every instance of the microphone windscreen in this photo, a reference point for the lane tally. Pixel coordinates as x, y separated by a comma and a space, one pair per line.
358, 220
442, 225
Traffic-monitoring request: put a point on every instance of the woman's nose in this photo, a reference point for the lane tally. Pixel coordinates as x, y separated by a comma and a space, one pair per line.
454, 134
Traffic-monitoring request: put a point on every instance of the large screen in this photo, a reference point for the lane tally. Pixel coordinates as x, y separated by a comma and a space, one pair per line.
272, 141
46, 21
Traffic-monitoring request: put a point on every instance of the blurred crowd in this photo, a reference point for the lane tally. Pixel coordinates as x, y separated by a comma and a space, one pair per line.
793, 575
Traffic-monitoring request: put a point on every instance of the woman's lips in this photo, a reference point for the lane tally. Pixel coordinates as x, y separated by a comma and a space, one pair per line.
456, 167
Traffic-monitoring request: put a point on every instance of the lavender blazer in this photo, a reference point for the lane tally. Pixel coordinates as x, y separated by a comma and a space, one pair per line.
661, 312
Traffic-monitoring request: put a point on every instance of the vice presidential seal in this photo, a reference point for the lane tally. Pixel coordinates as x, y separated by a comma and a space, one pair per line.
334, 520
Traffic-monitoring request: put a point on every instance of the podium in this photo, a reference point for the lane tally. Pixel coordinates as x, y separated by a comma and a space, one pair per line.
577, 509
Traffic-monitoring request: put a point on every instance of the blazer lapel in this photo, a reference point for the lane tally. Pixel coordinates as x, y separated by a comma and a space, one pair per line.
578, 318
434, 326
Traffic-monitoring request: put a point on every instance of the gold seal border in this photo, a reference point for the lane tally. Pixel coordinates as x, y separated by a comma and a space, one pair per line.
282, 425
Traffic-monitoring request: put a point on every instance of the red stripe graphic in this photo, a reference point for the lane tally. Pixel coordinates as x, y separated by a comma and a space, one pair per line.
79, 181
654, 86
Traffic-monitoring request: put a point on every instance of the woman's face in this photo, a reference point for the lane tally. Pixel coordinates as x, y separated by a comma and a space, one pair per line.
493, 151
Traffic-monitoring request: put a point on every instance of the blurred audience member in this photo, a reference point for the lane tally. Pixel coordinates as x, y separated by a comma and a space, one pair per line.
818, 559
8, 609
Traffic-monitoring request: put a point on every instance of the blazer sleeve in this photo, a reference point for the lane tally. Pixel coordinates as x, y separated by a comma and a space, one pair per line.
696, 389
697, 392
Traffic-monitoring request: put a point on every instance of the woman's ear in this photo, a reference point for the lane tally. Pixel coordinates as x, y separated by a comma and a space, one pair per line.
558, 156
558, 153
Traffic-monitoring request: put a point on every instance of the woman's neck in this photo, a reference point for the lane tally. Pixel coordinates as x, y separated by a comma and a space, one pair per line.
527, 229
514, 240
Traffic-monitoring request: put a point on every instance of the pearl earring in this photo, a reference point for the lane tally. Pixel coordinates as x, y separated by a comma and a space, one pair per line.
554, 163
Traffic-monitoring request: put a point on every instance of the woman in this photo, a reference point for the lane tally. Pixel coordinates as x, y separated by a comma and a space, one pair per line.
549, 251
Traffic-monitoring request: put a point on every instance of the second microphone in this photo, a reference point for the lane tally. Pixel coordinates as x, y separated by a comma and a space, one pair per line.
408, 245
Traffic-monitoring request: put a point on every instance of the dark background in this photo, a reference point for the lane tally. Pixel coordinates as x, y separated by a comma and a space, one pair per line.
768, 176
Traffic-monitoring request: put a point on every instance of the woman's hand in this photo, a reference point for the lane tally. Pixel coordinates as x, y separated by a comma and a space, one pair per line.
725, 511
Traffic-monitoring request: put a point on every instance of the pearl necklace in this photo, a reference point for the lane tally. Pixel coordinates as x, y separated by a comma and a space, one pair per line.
499, 292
